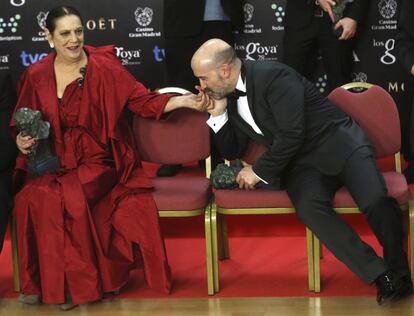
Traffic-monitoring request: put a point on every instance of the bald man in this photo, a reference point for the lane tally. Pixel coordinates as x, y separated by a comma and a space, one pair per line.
315, 148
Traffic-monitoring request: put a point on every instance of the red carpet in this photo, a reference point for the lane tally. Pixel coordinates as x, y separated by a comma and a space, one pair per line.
268, 258
259, 265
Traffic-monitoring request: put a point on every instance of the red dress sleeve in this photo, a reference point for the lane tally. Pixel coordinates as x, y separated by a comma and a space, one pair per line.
147, 104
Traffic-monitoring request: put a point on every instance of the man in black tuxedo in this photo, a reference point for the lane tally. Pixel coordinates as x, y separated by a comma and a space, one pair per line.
405, 54
188, 24
310, 29
7, 150
315, 148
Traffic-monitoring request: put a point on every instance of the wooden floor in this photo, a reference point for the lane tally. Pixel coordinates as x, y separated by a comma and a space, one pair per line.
332, 306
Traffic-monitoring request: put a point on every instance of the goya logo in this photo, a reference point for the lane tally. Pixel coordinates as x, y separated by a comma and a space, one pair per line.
11, 24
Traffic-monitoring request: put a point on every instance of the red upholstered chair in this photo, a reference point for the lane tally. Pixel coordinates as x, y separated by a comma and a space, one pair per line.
376, 112
257, 202
180, 138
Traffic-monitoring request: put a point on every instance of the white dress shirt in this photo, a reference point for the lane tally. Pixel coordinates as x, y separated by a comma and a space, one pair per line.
217, 122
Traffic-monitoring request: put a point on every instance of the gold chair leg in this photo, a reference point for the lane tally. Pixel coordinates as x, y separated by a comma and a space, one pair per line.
223, 241
15, 257
411, 216
310, 254
215, 247
209, 250
316, 256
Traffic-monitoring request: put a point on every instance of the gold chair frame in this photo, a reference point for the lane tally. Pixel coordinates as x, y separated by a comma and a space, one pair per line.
317, 247
220, 238
207, 230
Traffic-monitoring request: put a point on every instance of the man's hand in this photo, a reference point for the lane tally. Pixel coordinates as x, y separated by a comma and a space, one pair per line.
246, 178
326, 6
349, 27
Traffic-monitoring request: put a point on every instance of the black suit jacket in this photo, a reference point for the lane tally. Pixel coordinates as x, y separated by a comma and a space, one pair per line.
299, 124
185, 17
405, 37
300, 13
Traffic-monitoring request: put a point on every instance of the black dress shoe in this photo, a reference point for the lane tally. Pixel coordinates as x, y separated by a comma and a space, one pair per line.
168, 170
386, 289
390, 288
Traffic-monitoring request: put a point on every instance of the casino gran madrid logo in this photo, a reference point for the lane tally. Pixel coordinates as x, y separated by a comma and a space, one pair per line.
321, 83
388, 15
17, 3
9, 27
4, 62
248, 12
41, 21
249, 27
279, 13
144, 17
128, 57
388, 8
359, 77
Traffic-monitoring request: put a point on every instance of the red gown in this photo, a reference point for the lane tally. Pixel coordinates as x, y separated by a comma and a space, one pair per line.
80, 230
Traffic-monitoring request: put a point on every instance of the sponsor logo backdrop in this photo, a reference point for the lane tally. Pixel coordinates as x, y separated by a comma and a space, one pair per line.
135, 28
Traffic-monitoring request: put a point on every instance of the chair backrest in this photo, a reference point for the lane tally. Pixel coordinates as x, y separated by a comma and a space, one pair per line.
375, 111
183, 136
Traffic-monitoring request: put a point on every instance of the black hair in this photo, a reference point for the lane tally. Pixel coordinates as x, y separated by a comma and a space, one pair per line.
59, 12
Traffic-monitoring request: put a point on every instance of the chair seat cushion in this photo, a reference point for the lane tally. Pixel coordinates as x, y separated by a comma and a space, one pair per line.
259, 198
397, 188
396, 183
181, 193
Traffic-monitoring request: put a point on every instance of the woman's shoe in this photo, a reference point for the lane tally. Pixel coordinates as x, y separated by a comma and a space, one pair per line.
68, 305
32, 299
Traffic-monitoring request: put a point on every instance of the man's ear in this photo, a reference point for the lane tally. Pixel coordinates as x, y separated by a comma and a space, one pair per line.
225, 70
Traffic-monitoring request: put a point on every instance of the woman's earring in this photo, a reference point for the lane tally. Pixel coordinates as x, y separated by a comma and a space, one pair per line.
52, 45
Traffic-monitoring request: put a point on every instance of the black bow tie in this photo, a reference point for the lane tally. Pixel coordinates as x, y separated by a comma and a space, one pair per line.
237, 94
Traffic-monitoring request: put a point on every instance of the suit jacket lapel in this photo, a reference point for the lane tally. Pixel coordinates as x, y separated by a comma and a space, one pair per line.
250, 99
249, 87
242, 124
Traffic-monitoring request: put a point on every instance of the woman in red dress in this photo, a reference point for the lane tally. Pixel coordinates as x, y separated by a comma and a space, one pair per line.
82, 228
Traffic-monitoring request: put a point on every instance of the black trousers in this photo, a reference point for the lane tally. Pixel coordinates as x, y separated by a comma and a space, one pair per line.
312, 192
180, 50
303, 46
